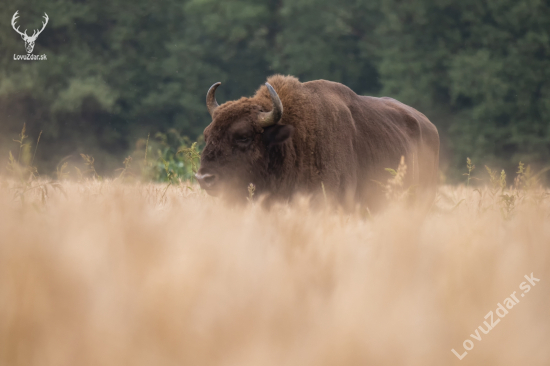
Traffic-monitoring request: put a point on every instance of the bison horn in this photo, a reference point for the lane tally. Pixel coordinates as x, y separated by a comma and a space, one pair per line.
270, 118
211, 103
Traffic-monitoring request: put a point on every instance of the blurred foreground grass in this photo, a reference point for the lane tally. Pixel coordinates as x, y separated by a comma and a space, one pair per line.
111, 273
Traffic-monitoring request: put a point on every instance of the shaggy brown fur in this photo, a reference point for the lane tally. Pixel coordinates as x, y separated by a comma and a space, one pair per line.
339, 139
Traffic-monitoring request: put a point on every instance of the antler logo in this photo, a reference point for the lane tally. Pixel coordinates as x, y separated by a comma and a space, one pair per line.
29, 40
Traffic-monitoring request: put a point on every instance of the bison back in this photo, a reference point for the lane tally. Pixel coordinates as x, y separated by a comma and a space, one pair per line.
358, 137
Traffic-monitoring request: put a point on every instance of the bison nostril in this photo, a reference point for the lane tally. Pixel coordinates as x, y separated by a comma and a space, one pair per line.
206, 180
209, 179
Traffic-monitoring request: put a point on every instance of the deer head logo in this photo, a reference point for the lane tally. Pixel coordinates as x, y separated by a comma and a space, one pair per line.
29, 40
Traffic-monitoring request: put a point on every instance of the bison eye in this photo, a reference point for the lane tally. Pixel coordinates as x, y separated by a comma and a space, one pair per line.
243, 140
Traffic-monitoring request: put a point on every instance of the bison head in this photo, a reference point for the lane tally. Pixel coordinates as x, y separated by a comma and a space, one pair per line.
243, 144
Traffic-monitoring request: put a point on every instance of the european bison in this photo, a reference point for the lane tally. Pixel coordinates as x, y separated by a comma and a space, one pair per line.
295, 137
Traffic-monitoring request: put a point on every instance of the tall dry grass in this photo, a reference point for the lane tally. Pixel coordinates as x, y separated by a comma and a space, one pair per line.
103, 273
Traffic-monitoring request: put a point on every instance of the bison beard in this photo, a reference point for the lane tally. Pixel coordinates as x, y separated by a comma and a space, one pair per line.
293, 137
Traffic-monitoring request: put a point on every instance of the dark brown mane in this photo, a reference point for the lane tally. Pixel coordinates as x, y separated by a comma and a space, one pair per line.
290, 91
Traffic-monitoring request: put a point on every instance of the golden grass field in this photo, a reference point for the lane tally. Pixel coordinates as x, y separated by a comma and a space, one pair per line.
105, 273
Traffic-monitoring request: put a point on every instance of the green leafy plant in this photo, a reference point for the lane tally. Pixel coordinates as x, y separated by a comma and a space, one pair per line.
470, 168
61, 171
251, 190
394, 188
25, 174
192, 156
324, 193
124, 171
177, 157
89, 161
526, 188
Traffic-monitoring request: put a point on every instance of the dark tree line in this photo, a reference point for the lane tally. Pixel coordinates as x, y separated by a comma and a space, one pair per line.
118, 70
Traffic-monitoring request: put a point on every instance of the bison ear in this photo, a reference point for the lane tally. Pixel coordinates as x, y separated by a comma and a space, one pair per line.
277, 134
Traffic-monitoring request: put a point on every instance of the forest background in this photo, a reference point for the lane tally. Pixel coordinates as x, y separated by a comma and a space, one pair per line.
117, 71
